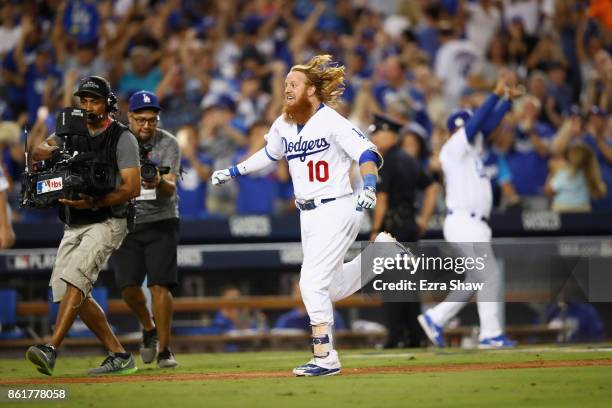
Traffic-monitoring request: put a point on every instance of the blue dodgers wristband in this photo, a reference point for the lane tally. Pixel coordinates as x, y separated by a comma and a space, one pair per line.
369, 181
234, 172
367, 156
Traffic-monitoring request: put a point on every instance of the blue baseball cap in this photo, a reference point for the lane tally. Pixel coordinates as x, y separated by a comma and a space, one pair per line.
458, 118
143, 100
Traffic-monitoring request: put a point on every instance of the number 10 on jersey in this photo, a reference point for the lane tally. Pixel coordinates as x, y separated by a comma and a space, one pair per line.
318, 171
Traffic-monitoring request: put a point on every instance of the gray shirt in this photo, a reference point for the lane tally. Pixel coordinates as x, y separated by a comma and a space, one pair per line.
127, 157
150, 205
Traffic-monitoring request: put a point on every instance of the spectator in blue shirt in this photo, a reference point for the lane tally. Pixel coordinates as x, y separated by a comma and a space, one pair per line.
396, 85
252, 102
82, 20
427, 33
180, 104
41, 78
581, 320
15, 65
559, 92
196, 168
237, 318
529, 153
143, 73
496, 169
258, 192
599, 137
574, 182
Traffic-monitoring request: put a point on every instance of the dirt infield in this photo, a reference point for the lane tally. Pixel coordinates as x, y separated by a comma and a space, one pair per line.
283, 374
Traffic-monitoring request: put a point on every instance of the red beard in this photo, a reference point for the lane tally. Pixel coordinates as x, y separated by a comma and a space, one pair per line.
299, 112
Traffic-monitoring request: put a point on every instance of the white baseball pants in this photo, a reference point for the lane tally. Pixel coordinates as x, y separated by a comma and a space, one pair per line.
464, 229
327, 233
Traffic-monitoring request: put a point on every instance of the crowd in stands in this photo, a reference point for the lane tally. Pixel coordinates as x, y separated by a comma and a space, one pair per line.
218, 68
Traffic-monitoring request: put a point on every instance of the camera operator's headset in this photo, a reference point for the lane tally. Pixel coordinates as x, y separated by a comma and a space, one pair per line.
111, 99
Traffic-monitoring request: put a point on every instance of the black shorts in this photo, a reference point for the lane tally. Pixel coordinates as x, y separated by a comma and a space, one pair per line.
149, 250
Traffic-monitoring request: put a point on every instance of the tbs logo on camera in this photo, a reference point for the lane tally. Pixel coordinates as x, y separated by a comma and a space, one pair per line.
49, 185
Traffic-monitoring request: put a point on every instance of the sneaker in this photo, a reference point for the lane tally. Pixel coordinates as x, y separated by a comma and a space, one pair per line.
149, 346
115, 365
500, 341
311, 369
434, 332
43, 357
165, 359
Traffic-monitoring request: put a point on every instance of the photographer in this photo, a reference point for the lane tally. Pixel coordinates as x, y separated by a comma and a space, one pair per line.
150, 250
95, 227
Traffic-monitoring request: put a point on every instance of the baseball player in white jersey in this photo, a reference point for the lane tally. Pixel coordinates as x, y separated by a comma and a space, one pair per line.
468, 202
319, 146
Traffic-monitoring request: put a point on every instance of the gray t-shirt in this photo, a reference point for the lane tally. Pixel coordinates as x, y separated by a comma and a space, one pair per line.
150, 206
127, 157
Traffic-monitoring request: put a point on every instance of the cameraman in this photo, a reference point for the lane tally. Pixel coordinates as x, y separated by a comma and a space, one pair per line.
150, 249
94, 229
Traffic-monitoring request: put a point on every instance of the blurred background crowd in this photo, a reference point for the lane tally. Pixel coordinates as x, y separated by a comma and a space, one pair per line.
218, 67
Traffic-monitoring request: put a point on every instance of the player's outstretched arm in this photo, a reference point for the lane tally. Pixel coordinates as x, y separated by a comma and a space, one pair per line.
257, 161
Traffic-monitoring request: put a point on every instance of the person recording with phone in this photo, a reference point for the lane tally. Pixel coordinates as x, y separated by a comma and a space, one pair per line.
94, 226
150, 249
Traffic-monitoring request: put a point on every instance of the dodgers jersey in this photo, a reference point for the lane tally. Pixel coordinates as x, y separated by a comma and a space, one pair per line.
468, 188
319, 154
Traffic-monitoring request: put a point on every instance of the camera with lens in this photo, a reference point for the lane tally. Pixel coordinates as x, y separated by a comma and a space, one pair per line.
148, 169
73, 168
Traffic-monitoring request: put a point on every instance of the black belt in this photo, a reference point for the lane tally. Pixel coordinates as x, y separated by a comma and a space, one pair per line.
310, 204
471, 214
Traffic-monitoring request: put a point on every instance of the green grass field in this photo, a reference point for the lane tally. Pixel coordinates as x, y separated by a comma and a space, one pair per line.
576, 376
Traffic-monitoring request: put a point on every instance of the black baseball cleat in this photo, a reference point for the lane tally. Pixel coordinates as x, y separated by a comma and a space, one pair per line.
43, 357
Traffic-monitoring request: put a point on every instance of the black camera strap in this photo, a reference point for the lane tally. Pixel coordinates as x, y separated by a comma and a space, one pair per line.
67, 216
131, 215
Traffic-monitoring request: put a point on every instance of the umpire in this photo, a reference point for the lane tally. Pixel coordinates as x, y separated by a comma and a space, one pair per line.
150, 249
399, 180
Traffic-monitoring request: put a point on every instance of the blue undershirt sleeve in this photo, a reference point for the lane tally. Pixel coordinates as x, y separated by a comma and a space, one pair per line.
474, 124
494, 119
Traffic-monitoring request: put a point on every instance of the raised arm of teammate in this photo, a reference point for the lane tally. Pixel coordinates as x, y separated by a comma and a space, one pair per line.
474, 124
488, 116
496, 116
510, 92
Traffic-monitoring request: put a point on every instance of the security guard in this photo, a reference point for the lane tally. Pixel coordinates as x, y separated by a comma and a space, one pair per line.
399, 180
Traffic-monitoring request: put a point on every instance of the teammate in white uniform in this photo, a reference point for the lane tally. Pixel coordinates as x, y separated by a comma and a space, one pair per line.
320, 145
468, 202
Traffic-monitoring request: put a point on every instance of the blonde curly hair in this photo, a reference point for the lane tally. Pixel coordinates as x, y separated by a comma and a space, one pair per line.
325, 75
